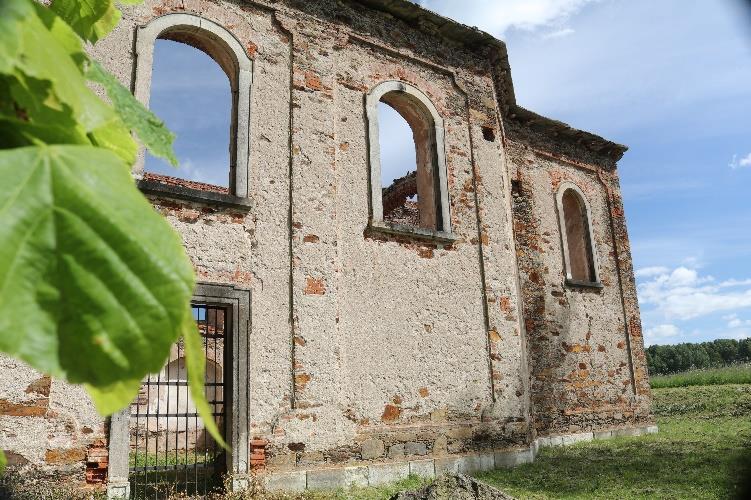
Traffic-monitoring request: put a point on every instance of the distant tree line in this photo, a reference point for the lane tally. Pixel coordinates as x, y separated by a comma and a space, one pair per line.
664, 359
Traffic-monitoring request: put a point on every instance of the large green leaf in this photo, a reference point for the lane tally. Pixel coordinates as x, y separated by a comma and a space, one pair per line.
91, 19
94, 284
3, 461
35, 43
150, 130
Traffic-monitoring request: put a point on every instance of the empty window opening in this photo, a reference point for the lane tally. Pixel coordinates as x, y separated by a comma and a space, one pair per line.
581, 265
191, 92
408, 176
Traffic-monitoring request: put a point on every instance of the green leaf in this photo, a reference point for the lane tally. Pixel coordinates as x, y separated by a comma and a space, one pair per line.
3, 461
109, 399
150, 130
91, 19
93, 281
195, 361
46, 49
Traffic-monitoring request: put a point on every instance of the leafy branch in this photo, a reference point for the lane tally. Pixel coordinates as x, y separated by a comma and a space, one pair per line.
95, 285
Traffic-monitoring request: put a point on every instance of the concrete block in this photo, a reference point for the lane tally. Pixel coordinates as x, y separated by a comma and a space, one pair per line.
628, 432
286, 481
326, 479
422, 468
602, 434
476, 463
581, 437
514, 458
356, 476
446, 465
652, 429
387, 473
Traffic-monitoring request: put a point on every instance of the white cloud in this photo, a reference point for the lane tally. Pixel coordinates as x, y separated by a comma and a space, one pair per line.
740, 163
648, 272
660, 333
497, 16
735, 322
683, 294
558, 33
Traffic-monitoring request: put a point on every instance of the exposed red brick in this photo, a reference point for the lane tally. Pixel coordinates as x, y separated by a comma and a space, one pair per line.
40, 386
424, 392
35, 408
65, 456
176, 181
314, 286
311, 238
390, 413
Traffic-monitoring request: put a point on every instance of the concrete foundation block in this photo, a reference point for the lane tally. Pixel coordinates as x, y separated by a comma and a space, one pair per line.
446, 465
326, 479
581, 437
118, 490
286, 481
652, 429
476, 463
602, 434
387, 473
514, 458
628, 432
422, 468
356, 476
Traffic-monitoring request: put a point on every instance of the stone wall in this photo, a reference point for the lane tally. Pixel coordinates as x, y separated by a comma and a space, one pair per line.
366, 346
586, 355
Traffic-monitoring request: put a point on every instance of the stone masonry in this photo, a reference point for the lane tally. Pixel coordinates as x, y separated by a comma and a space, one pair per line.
376, 350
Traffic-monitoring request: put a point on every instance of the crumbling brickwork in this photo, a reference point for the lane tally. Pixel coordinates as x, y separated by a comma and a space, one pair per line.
371, 345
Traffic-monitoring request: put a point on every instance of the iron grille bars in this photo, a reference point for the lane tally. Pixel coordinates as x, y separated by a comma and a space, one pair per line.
170, 451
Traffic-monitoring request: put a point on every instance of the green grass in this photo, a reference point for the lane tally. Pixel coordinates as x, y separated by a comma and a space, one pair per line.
737, 374
701, 451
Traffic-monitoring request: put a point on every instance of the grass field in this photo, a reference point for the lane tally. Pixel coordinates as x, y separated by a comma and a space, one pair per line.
700, 452
738, 374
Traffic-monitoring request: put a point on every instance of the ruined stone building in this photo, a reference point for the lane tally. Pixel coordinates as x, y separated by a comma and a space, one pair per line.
457, 319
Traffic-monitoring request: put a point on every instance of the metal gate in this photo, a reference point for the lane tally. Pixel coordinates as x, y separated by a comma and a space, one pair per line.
170, 451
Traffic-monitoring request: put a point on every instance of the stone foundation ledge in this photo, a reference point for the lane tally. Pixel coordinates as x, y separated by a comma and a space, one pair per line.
383, 473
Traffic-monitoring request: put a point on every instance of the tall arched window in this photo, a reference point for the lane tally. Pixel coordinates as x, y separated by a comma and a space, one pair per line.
408, 183
221, 46
576, 235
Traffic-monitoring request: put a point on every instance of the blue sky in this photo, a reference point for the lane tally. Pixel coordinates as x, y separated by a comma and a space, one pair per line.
669, 78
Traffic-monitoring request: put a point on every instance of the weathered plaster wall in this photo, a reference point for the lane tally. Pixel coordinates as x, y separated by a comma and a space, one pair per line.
45, 425
586, 358
367, 347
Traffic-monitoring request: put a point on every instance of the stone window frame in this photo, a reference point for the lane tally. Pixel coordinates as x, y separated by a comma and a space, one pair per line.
562, 189
222, 46
238, 300
437, 137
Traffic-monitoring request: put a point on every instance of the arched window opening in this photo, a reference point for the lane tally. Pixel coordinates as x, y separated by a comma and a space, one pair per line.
577, 237
398, 168
197, 76
407, 144
192, 94
407, 164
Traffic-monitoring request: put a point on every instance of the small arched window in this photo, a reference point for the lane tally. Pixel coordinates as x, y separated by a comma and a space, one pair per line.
407, 160
576, 235
226, 51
